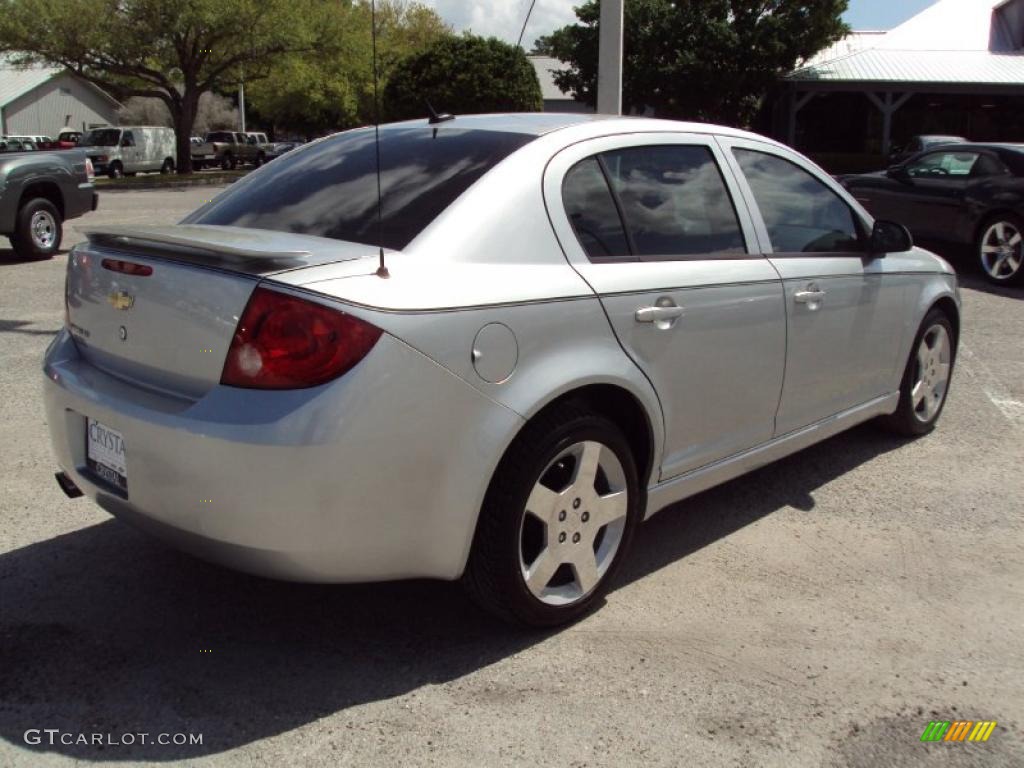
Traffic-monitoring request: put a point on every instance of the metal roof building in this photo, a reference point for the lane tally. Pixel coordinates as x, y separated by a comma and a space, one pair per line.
554, 99
42, 100
955, 68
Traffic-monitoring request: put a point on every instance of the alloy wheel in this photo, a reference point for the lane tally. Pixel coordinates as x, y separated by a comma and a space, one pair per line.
574, 523
1002, 250
931, 380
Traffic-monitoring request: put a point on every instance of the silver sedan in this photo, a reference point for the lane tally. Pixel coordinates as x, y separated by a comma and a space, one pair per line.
546, 329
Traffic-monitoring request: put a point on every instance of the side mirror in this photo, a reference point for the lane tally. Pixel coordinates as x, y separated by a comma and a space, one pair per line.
889, 237
897, 172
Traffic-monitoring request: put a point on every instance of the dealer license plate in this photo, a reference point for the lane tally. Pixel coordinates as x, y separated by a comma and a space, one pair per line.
105, 454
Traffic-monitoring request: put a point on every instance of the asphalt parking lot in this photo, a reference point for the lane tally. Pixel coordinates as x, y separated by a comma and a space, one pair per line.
819, 612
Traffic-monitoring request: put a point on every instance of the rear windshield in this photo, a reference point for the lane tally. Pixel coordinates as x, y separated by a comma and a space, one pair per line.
329, 188
223, 136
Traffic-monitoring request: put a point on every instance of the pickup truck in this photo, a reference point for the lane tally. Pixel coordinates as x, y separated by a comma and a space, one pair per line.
228, 149
39, 190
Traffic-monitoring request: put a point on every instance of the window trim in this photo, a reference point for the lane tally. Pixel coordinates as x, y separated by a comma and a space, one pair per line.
617, 202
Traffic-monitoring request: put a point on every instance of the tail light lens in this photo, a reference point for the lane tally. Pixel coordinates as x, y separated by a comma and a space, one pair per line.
283, 342
90, 172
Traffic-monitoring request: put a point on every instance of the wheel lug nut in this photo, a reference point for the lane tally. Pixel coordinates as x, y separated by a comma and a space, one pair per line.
561, 537
575, 503
561, 515
575, 538
585, 517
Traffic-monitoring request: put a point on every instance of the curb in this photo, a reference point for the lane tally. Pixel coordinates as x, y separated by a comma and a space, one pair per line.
160, 182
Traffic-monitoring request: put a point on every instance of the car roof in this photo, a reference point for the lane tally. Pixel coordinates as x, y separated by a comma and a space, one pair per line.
577, 125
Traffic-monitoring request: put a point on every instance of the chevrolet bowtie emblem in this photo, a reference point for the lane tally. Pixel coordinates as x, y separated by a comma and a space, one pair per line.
121, 300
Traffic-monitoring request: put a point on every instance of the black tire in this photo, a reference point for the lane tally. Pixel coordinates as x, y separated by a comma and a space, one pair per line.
908, 419
260, 159
116, 170
197, 165
38, 230
494, 575
1009, 270
227, 162
167, 167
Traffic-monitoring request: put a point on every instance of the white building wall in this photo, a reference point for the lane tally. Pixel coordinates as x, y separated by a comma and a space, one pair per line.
62, 101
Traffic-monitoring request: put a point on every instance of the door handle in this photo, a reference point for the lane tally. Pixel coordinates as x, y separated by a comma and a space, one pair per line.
811, 296
654, 314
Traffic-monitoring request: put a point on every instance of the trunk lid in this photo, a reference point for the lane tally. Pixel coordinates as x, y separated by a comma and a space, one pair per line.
170, 329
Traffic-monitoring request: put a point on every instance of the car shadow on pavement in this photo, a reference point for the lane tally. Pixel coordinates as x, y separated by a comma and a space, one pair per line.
21, 326
8, 258
104, 631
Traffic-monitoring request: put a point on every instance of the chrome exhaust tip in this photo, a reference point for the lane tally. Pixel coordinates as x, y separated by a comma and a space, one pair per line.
67, 485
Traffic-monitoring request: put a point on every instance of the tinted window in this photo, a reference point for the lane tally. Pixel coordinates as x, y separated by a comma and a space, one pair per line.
103, 137
224, 136
801, 213
591, 210
329, 188
674, 201
940, 165
988, 166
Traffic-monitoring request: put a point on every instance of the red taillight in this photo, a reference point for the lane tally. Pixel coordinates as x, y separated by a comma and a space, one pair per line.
127, 267
283, 342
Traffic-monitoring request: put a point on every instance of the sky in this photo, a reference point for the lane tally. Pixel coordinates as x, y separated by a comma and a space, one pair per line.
504, 18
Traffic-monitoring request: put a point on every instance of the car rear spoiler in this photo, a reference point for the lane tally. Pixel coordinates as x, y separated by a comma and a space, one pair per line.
235, 249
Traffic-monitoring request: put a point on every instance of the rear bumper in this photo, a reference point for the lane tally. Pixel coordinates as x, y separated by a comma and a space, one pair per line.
378, 475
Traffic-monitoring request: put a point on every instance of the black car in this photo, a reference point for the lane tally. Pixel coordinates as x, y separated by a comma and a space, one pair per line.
970, 194
920, 144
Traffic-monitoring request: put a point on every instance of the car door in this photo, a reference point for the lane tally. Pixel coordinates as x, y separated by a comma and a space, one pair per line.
844, 307
130, 151
936, 190
655, 226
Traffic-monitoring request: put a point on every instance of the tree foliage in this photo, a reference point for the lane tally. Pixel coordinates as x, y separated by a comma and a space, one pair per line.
173, 50
310, 95
707, 60
214, 113
463, 74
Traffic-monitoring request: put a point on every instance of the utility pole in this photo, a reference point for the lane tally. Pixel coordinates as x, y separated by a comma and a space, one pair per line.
609, 58
241, 103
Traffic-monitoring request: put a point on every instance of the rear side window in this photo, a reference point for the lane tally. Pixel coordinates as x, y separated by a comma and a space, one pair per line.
674, 201
591, 211
801, 213
329, 188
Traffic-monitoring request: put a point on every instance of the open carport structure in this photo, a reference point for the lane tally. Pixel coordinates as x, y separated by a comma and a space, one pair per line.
956, 68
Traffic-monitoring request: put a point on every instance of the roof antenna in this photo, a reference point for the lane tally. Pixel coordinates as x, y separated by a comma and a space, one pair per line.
526, 21
436, 118
382, 271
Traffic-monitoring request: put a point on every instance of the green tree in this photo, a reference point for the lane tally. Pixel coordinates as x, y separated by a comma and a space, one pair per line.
463, 74
310, 94
173, 50
707, 60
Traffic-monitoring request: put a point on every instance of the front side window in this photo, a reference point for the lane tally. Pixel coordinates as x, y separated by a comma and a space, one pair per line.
940, 165
801, 213
674, 201
128, 140
592, 213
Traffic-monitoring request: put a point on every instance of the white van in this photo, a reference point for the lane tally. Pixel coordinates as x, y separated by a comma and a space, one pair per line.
129, 149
